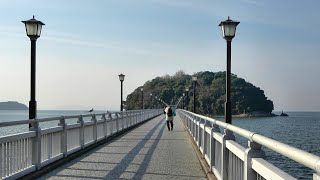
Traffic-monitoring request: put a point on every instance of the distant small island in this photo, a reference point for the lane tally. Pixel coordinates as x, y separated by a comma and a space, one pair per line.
255, 114
12, 105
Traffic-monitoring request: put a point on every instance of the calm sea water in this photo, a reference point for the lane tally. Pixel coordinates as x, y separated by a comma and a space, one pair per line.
300, 130
24, 114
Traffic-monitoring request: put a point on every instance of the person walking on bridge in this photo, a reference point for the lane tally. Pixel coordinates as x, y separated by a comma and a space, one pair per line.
169, 112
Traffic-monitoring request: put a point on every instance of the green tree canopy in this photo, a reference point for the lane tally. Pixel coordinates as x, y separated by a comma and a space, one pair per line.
210, 93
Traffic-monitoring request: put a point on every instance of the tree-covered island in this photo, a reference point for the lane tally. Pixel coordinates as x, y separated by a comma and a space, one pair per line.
12, 105
247, 99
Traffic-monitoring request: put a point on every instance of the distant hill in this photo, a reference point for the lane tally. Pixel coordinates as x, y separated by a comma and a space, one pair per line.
12, 105
245, 97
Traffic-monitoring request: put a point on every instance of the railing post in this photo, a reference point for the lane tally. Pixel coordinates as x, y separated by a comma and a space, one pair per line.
139, 116
81, 138
36, 145
147, 114
64, 147
198, 131
206, 124
142, 115
188, 118
117, 122
105, 130
189, 121
133, 118
316, 176
122, 120
253, 151
128, 114
228, 135
194, 127
136, 117
110, 120
95, 127
214, 129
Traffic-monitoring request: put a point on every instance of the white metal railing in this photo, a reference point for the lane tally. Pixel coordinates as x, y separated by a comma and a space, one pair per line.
230, 161
23, 153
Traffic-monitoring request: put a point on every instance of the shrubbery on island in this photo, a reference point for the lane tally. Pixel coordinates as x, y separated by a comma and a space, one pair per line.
246, 98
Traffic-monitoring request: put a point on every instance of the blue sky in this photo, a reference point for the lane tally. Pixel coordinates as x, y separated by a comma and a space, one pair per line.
86, 44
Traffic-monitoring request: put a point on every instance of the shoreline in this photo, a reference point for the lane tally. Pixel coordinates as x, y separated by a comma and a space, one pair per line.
248, 115
255, 115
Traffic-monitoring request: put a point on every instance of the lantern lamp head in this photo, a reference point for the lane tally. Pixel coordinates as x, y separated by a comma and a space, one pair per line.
33, 28
121, 77
228, 28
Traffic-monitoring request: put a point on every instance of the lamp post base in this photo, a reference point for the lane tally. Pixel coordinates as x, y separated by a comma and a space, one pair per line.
228, 116
32, 110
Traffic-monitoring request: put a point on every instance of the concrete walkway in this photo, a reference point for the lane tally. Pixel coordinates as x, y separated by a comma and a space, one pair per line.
147, 152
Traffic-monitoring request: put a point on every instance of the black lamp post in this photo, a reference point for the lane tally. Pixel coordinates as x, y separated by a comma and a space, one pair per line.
194, 79
151, 100
156, 103
121, 78
228, 28
33, 30
142, 103
187, 99
183, 99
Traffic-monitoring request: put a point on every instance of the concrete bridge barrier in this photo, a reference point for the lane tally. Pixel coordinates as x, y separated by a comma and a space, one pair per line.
26, 152
229, 160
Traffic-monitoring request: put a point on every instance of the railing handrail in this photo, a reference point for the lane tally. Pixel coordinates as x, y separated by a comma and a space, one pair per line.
309, 160
47, 119
14, 123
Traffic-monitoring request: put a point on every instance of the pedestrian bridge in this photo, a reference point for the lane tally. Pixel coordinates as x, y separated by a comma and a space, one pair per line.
137, 145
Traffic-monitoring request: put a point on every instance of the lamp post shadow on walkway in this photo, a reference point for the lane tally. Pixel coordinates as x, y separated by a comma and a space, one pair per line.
121, 78
33, 30
228, 28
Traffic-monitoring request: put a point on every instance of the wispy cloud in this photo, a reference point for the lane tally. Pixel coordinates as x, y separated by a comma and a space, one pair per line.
175, 3
143, 48
253, 2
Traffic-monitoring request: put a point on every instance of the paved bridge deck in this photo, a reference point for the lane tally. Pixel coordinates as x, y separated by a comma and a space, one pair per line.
148, 152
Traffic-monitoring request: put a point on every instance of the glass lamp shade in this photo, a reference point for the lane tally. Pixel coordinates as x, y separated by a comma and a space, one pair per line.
194, 78
141, 89
183, 94
187, 89
228, 28
150, 94
121, 77
33, 27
